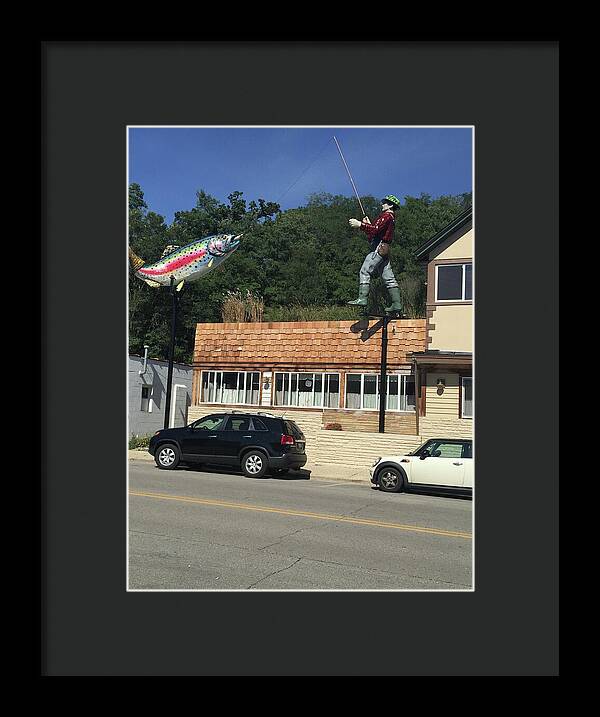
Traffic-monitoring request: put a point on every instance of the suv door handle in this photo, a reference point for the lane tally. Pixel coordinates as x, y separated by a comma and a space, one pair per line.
212, 436
246, 436
457, 464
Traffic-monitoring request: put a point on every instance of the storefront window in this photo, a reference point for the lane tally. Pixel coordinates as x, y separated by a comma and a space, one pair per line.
363, 391
231, 387
307, 390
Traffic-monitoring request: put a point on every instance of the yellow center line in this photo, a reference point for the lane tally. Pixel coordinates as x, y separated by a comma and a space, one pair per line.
302, 514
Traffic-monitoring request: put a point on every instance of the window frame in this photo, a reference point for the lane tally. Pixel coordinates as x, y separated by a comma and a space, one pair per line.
402, 381
463, 266
218, 400
289, 374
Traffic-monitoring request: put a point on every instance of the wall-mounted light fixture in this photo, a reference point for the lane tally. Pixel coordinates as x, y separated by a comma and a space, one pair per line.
441, 383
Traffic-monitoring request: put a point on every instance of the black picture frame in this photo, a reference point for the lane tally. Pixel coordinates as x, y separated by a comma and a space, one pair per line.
90, 92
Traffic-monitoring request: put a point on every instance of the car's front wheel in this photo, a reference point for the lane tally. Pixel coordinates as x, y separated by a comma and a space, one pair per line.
167, 456
390, 480
254, 464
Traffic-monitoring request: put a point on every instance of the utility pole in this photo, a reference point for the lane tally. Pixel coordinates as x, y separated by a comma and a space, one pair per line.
175, 299
383, 376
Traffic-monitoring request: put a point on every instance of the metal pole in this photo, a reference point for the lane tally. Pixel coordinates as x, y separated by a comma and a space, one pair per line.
383, 377
350, 176
171, 354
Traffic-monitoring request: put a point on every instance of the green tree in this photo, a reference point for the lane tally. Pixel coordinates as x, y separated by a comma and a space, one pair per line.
300, 262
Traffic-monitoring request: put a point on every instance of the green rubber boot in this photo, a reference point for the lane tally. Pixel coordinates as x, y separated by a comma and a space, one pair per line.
363, 295
396, 306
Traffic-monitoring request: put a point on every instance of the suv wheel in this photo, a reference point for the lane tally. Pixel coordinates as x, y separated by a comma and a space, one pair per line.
390, 480
254, 464
167, 457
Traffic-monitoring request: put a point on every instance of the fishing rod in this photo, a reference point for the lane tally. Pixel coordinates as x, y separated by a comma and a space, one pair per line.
349, 175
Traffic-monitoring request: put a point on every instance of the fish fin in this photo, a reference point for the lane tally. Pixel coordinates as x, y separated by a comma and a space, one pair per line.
151, 283
136, 262
210, 263
179, 286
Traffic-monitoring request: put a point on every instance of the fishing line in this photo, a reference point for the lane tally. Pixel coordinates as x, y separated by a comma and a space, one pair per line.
305, 171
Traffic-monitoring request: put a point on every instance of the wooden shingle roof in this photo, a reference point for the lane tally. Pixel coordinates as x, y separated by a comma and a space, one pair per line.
304, 344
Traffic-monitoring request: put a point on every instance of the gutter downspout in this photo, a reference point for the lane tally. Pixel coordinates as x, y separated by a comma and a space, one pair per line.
143, 371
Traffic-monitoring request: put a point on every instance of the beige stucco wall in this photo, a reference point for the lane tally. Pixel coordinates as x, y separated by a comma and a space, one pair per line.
453, 328
455, 248
443, 415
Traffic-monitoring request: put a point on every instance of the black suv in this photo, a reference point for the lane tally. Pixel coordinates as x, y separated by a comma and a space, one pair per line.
254, 442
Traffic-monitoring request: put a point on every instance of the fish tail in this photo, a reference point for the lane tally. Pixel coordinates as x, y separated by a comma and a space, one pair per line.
136, 262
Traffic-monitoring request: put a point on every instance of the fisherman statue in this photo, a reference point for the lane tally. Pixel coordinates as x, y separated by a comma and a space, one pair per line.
377, 262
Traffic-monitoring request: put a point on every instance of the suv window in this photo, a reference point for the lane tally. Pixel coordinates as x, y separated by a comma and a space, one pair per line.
258, 424
238, 423
467, 451
210, 423
292, 429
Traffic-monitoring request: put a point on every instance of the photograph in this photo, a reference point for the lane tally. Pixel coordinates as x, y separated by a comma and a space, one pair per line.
300, 368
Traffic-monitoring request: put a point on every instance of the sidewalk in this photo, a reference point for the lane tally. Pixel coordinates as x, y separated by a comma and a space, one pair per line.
329, 471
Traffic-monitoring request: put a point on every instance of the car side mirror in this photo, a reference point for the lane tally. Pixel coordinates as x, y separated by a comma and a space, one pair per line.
424, 455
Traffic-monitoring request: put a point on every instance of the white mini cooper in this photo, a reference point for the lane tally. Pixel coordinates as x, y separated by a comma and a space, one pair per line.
440, 463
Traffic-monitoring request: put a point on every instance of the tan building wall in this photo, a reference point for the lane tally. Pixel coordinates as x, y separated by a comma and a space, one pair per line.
452, 328
455, 248
443, 409
449, 324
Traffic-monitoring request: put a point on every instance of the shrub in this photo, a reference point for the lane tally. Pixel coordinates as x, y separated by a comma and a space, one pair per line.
333, 427
138, 442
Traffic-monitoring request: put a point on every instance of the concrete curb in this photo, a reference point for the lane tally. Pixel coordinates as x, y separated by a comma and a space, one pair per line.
323, 472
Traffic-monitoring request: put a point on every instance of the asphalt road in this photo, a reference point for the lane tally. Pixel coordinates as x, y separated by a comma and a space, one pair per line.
192, 529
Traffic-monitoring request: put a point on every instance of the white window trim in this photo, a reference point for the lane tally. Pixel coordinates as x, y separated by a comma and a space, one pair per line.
462, 397
218, 398
464, 274
402, 378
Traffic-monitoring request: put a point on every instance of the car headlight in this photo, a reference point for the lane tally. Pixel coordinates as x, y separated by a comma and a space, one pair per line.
376, 461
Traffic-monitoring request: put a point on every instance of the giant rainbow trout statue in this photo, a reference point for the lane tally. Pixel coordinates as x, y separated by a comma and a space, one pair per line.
187, 263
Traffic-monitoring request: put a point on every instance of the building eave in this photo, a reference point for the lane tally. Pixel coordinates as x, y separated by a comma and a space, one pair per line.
424, 250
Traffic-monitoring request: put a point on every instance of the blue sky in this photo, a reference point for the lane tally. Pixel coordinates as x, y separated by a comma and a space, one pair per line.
287, 164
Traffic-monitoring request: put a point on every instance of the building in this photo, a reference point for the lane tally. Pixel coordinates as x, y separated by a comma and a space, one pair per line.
444, 369
147, 379
329, 368
327, 373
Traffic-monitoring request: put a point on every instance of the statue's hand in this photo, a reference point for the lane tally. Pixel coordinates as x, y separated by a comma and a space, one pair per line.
367, 220
354, 222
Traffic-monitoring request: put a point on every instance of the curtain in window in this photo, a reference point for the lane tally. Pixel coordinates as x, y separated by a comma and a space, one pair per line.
392, 393
332, 390
305, 389
243, 379
229, 394
353, 390
370, 392
255, 395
